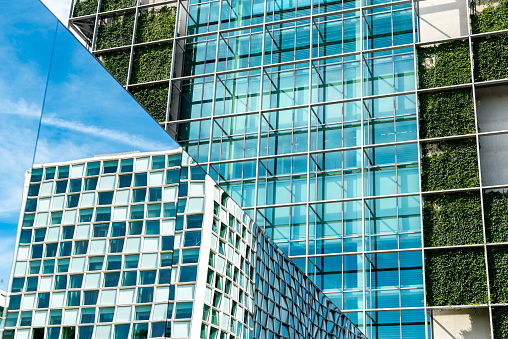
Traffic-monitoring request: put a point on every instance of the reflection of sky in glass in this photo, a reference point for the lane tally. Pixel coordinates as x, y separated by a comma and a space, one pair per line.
86, 112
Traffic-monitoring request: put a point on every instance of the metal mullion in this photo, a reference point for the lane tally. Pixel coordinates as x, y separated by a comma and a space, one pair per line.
133, 40
96, 25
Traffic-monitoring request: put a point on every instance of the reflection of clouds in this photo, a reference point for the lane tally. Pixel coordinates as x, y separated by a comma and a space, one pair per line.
19, 107
60, 9
6, 251
106, 134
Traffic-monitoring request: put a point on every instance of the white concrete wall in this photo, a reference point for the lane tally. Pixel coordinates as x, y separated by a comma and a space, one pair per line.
461, 324
441, 19
492, 111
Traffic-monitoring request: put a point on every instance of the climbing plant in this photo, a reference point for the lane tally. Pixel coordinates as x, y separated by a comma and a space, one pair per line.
156, 25
491, 18
449, 164
455, 277
500, 322
153, 98
111, 5
498, 274
445, 64
490, 57
496, 216
117, 63
446, 113
85, 7
115, 31
452, 219
151, 63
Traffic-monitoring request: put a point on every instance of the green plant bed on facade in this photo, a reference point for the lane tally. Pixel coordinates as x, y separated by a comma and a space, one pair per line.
445, 64
452, 219
496, 216
117, 63
151, 63
490, 19
498, 274
490, 58
449, 164
111, 5
153, 98
156, 25
85, 8
446, 113
500, 322
455, 277
117, 32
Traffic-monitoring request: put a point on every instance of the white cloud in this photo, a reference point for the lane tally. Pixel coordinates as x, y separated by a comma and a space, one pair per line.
60, 9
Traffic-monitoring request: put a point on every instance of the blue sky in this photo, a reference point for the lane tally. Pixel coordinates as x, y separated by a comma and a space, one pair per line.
85, 111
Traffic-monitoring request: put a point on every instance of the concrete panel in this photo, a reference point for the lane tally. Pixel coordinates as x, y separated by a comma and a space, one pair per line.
441, 19
492, 108
494, 159
461, 324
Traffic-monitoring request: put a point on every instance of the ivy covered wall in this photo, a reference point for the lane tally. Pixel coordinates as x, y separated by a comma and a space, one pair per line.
496, 216
85, 7
117, 63
446, 286
111, 5
490, 19
116, 31
490, 57
446, 113
445, 64
498, 274
449, 164
153, 98
452, 219
156, 25
500, 322
151, 63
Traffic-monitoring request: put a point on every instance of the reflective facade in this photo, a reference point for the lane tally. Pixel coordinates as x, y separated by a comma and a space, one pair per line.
146, 245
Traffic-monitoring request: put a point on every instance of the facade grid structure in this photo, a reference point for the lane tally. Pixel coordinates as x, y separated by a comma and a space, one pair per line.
146, 245
363, 136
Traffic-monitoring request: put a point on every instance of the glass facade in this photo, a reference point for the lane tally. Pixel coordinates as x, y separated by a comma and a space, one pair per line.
146, 245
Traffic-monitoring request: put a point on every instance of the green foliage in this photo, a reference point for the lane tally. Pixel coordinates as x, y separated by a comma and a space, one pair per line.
117, 32
449, 164
498, 274
117, 63
111, 5
85, 7
455, 277
452, 219
151, 63
500, 322
491, 58
446, 113
156, 25
153, 98
445, 64
492, 18
496, 216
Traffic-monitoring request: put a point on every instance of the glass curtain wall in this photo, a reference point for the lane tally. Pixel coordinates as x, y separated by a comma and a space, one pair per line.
306, 113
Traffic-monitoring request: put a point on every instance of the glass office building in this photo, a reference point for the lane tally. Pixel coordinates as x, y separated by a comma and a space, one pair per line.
147, 245
366, 137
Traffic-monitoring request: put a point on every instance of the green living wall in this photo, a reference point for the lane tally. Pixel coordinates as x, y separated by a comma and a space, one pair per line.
490, 19
117, 32
117, 63
496, 216
85, 7
455, 277
156, 25
452, 219
446, 113
498, 274
449, 164
151, 63
500, 322
445, 64
153, 98
111, 5
490, 57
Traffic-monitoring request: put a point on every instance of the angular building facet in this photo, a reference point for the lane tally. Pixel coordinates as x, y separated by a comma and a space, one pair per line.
147, 245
